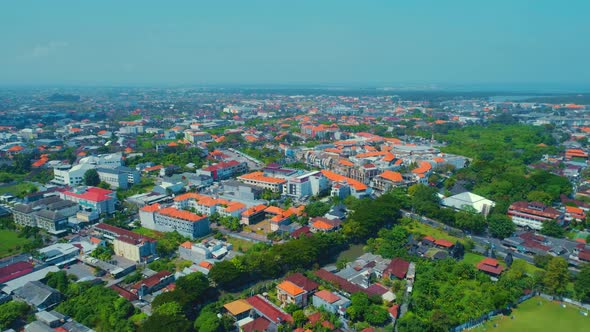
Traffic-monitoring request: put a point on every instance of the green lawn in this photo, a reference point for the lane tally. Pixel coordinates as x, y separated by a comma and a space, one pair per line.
532, 316
9, 241
19, 189
239, 243
418, 227
148, 232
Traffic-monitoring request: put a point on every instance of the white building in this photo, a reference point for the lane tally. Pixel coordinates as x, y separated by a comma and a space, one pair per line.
105, 160
71, 176
467, 200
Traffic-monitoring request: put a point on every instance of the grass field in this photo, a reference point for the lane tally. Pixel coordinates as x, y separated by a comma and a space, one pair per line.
436, 233
532, 316
148, 232
9, 241
19, 189
239, 243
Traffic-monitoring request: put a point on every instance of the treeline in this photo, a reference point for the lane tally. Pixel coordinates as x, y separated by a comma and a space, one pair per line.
265, 262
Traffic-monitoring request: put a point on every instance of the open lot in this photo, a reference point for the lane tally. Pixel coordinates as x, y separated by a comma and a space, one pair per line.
148, 232
238, 244
417, 227
10, 243
538, 314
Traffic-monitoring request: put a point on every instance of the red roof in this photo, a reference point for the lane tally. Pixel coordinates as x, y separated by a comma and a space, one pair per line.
429, 238
584, 255
302, 281
398, 267
327, 296
394, 310
93, 194
15, 270
123, 234
443, 243
344, 284
152, 281
259, 324
269, 311
490, 266
124, 293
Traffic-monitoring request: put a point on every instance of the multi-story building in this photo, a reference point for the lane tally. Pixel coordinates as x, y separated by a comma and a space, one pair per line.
533, 214
171, 219
130, 245
224, 170
50, 213
71, 176
92, 199
118, 177
289, 293
260, 180
308, 184
387, 180
194, 136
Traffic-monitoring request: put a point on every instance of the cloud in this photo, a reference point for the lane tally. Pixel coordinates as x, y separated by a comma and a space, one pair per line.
47, 49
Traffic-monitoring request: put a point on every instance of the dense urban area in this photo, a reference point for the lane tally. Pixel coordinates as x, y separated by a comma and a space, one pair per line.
234, 209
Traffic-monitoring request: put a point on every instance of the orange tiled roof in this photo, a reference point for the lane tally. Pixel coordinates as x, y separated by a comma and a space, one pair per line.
357, 185
290, 288
180, 214
151, 208
259, 176
392, 176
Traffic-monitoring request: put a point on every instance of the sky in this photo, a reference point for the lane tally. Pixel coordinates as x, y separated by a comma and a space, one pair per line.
372, 43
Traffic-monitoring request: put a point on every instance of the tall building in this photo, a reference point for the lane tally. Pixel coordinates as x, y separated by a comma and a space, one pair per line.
92, 199
169, 219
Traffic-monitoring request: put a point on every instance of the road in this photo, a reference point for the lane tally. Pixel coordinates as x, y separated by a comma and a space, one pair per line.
482, 242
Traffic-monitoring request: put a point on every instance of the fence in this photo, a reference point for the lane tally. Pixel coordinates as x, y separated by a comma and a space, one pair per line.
484, 317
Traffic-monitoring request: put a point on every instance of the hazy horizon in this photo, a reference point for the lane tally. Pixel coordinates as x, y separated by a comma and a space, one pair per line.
456, 44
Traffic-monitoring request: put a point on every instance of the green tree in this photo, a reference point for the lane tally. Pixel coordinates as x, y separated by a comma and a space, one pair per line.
224, 273
557, 276
316, 209
11, 311
540, 196
91, 177
58, 280
552, 228
582, 284
500, 226
168, 317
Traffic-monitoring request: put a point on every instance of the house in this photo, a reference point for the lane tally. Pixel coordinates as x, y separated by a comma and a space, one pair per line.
331, 302
260, 324
398, 268
238, 309
320, 224
289, 293
153, 283
308, 285
38, 295
268, 310
490, 266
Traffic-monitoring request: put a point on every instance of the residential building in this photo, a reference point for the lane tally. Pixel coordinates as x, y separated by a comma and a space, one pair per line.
206, 249
238, 309
387, 181
331, 302
305, 185
260, 180
308, 285
242, 191
398, 268
253, 215
153, 283
289, 293
268, 310
321, 224
224, 170
171, 219
92, 199
127, 244
533, 214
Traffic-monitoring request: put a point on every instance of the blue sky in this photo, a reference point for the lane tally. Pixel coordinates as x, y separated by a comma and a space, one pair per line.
295, 42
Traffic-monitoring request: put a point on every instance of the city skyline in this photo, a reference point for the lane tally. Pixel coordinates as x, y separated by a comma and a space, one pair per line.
422, 43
